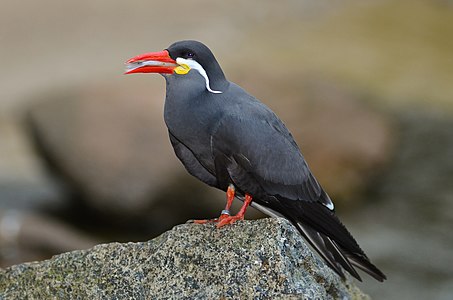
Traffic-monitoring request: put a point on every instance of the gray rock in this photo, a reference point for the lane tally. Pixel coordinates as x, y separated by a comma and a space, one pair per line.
109, 146
24, 183
264, 259
26, 236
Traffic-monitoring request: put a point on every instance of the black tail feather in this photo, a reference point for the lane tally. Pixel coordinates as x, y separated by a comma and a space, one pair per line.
366, 266
329, 251
330, 238
337, 257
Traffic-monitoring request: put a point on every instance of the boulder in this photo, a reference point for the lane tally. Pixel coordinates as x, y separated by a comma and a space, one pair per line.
24, 182
264, 259
26, 236
109, 145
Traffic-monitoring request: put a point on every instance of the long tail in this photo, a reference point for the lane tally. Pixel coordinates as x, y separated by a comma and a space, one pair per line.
336, 257
327, 235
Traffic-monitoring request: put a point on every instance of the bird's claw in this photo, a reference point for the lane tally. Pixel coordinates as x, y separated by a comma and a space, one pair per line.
205, 221
225, 214
227, 220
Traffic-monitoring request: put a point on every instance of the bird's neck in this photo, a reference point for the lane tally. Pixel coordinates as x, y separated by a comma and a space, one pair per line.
217, 78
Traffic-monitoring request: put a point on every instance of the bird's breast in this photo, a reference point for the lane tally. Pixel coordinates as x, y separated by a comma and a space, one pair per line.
192, 123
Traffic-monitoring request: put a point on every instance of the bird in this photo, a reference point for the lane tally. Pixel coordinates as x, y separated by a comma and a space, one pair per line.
231, 141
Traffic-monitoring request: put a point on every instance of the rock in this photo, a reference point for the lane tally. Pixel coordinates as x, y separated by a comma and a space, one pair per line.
26, 236
109, 144
409, 225
189, 262
24, 184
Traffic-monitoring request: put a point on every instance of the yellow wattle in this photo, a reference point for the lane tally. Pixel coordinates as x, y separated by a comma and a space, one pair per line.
182, 69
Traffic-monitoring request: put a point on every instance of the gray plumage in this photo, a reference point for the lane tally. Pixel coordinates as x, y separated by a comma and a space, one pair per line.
232, 138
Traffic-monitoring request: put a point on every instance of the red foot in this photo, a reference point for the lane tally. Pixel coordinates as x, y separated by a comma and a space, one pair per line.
216, 220
226, 219
229, 220
202, 221
239, 216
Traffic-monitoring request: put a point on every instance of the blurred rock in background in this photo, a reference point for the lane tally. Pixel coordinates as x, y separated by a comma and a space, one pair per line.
33, 236
412, 202
365, 87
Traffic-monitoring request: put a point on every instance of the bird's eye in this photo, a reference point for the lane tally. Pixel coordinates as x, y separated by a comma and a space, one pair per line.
190, 54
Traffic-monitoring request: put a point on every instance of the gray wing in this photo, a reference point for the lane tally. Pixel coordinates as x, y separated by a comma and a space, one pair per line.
191, 163
262, 159
265, 151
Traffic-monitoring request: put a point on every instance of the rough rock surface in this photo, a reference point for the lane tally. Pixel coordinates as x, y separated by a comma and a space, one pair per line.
264, 259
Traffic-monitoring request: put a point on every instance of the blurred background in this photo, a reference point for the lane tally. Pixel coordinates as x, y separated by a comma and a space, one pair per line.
366, 87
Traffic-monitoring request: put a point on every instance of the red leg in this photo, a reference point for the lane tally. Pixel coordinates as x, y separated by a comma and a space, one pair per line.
230, 197
239, 216
226, 212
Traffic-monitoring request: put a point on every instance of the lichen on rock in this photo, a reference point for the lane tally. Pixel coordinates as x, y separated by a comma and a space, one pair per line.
263, 259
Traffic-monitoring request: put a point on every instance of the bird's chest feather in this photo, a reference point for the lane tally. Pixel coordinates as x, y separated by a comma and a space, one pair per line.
191, 119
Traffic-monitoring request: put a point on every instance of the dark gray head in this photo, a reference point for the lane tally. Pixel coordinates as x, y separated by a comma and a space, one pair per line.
183, 60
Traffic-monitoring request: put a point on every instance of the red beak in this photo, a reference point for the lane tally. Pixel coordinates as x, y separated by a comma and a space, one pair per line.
153, 62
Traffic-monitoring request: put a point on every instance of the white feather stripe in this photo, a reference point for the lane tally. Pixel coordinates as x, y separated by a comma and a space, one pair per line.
193, 64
